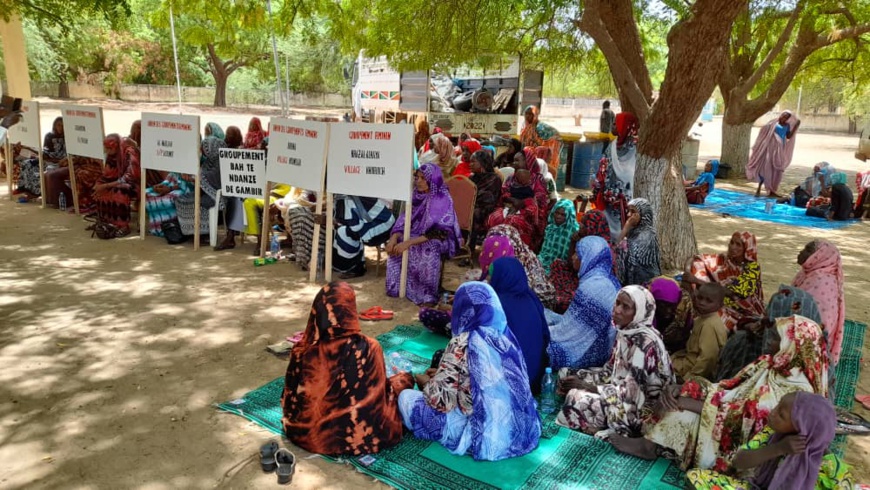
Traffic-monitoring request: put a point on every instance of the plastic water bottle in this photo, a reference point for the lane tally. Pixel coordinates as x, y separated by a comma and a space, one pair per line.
61, 202
548, 391
275, 247
398, 364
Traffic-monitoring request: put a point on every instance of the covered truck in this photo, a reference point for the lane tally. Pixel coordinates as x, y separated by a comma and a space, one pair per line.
483, 102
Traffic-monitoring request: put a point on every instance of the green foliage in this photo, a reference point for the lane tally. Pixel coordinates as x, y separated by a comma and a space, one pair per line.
61, 12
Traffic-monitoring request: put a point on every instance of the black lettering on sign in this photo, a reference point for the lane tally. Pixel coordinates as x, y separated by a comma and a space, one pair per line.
295, 162
82, 140
165, 153
251, 191
242, 179
376, 171
291, 145
166, 143
238, 167
371, 154
79, 127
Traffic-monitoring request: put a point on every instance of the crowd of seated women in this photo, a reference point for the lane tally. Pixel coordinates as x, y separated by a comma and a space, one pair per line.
696, 369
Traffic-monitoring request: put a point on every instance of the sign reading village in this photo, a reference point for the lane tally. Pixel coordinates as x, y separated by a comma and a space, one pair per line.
371, 160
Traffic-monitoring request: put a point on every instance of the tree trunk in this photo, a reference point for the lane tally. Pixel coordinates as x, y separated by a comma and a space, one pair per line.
220, 88
63, 89
736, 141
660, 181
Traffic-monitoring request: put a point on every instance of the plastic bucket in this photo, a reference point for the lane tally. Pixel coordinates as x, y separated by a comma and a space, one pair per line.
584, 164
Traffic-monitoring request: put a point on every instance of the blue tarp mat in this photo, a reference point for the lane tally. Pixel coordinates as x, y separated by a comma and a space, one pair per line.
742, 205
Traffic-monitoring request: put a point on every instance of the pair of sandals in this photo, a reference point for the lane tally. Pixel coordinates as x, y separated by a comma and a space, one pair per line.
375, 314
278, 459
851, 424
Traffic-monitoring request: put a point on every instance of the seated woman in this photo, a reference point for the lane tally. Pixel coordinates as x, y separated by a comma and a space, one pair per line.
209, 182
534, 270
637, 249
542, 156
738, 270
747, 342
674, 319
56, 172
299, 217
563, 275
610, 400
233, 137
525, 316
506, 159
697, 191
119, 185
469, 147
245, 216
523, 197
478, 400
87, 171
359, 221
790, 452
255, 135
488, 193
821, 276
702, 425
561, 226
160, 200
837, 201
441, 155
812, 186
435, 235
338, 372
583, 337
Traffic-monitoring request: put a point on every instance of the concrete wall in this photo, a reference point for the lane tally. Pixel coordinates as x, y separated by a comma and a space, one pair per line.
826, 123
588, 108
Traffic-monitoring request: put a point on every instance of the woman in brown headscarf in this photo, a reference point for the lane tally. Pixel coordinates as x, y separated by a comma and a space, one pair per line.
337, 397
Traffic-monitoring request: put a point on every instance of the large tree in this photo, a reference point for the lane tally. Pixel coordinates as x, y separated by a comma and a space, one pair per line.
771, 41
552, 30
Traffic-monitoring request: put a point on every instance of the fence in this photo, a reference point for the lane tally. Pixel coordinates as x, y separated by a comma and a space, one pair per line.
189, 95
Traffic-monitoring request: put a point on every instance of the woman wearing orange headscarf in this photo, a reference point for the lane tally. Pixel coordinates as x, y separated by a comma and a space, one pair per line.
337, 398
119, 184
535, 134
255, 134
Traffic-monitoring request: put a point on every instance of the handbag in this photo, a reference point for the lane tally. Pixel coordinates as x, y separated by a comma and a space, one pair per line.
172, 232
102, 229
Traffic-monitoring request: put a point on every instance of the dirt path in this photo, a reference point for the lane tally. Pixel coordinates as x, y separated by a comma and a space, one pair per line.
112, 353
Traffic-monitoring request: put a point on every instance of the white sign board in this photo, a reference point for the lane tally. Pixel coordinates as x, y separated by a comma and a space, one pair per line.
170, 142
83, 130
27, 131
371, 160
297, 151
243, 172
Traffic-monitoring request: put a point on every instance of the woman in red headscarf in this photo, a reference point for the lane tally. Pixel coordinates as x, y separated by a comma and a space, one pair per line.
119, 184
524, 201
468, 148
255, 134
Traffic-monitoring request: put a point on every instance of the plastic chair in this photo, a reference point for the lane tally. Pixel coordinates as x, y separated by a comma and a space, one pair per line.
464, 195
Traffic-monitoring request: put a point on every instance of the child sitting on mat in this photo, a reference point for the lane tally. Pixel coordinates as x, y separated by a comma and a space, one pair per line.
787, 454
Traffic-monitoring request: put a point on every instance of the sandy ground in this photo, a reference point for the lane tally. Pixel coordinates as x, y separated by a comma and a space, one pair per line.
113, 353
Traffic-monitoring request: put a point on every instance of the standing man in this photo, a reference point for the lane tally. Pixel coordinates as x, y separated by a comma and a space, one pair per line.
607, 121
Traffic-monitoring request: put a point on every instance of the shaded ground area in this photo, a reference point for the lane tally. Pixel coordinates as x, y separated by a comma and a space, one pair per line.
112, 353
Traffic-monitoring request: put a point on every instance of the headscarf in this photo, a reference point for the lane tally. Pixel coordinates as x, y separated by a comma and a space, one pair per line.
534, 271
639, 254
812, 184
490, 149
814, 418
233, 137
213, 129
471, 145
136, 132
584, 336
124, 166
557, 238
505, 421
790, 301
708, 178
525, 315
421, 133
494, 248
337, 370
255, 134
626, 125
464, 167
594, 223
444, 149
821, 275
676, 333
211, 165
666, 289
433, 211
837, 178
644, 309
486, 161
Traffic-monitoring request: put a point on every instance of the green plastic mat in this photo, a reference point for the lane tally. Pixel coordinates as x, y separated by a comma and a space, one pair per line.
563, 459
848, 371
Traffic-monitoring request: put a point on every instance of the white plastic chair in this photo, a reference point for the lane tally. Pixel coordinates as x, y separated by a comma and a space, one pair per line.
213, 219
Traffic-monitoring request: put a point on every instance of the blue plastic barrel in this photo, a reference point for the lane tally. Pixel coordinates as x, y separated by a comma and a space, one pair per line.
587, 154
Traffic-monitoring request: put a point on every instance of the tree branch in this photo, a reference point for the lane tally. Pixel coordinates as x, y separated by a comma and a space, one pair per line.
747, 86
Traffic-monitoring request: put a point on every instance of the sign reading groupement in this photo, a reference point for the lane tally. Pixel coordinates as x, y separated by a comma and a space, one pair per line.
243, 172
83, 130
371, 160
170, 142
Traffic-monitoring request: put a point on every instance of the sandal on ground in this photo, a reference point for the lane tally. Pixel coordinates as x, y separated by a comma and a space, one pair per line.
350, 275
851, 418
286, 462
267, 456
376, 313
863, 400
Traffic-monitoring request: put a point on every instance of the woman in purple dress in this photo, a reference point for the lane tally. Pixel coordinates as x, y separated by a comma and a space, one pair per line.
434, 235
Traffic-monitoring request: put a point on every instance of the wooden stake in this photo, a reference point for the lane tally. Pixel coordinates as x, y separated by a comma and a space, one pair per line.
10, 166
72, 184
403, 278
265, 232
41, 178
142, 200
315, 248
330, 230
196, 213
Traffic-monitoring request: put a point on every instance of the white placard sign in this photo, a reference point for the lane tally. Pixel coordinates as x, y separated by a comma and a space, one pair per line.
371, 160
26, 131
296, 152
243, 172
170, 142
83, 130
